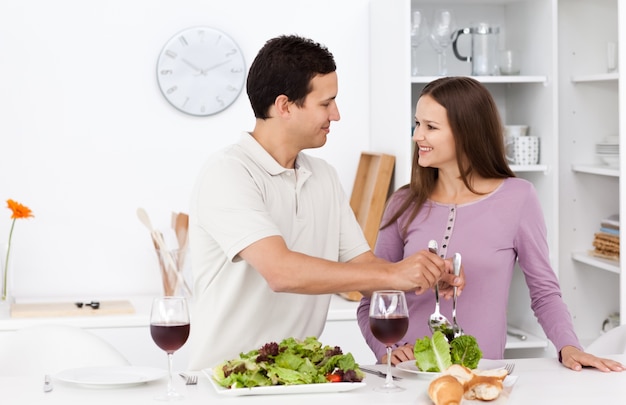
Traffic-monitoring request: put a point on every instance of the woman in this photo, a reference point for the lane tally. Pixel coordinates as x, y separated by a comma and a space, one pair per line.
463, 195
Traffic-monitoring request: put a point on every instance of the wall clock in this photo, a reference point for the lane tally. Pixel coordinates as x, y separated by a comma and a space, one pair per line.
201, 71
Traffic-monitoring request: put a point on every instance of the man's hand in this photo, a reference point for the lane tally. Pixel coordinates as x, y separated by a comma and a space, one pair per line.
449, 281
420, 271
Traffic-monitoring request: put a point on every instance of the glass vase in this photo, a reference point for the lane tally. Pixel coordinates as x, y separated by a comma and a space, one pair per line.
6, 297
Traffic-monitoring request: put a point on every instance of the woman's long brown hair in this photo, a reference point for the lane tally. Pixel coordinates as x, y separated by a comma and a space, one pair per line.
477, 129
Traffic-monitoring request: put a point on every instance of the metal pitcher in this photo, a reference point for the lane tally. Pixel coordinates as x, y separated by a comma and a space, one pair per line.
484, 45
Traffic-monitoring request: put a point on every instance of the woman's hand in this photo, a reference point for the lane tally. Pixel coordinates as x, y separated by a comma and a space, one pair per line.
400, 354
576, 359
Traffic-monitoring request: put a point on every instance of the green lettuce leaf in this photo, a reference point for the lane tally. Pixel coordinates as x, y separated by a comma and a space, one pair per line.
286, 376
464, 350
432, 354
340, 361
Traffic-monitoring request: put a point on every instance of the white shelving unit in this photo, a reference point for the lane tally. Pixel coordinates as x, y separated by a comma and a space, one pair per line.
490, 79
599, 77
596, 262
591, 107
568, 98
595, 169
530, 98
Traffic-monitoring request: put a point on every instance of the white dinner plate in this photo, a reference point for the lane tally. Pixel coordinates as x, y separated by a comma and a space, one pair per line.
110, 377
283, 389
484, 364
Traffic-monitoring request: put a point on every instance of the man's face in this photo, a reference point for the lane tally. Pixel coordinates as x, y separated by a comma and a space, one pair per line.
310, 124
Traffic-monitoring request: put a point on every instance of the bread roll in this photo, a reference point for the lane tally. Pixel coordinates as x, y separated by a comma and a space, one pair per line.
461, 373
445, 390
483, 388
484, 385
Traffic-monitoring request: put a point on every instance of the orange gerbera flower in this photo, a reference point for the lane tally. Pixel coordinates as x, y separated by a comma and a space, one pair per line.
19, 211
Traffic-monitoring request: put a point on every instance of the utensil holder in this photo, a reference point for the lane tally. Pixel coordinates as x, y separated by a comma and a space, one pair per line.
171, 263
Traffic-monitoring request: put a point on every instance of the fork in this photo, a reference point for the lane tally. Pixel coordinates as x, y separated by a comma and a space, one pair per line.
509, 367
456, 328
190, 379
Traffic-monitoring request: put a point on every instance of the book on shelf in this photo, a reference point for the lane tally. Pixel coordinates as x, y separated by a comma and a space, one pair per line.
606, 242
611, 222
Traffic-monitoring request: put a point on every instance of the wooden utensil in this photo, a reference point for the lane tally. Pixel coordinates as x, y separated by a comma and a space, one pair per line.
180, 223
169, 265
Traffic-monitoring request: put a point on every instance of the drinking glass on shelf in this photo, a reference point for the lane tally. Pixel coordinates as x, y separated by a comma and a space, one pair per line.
419, 32
389, 321
169, 327
441, 36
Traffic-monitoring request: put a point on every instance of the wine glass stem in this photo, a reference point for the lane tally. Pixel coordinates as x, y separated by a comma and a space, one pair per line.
170, 385
389, 377
441, 58
414, 61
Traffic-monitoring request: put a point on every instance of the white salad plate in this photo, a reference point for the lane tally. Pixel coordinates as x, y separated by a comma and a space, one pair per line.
282, 389
110, 377
484, 364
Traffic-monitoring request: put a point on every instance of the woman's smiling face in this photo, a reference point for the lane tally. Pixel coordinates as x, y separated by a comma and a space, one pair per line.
433, 135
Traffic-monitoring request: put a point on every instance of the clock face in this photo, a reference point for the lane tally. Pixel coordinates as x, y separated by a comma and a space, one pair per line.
201, 71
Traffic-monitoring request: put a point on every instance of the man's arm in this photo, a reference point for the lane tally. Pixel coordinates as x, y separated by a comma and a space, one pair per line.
288, 271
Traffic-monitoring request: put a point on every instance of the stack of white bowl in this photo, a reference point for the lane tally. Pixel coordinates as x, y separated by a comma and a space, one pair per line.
608, 151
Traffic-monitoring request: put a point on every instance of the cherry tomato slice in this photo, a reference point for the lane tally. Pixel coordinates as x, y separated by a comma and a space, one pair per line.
333, 377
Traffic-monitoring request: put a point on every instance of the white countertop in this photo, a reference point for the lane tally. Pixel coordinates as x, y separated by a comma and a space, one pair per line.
141, 317
340, 310
129, 332
539, 381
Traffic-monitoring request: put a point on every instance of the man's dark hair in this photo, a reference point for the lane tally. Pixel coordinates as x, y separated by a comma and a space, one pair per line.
286, 65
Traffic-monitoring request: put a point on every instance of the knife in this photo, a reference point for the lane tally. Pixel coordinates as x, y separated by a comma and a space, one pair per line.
378, 373
47, 383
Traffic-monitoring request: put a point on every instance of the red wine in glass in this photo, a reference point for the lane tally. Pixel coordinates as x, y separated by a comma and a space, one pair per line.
170, 337
169, 328
389, 330
389, 321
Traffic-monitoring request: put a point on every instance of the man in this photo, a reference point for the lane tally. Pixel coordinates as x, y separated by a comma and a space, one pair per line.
271, 230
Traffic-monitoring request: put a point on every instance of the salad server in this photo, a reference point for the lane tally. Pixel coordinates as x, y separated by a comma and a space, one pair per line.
438, 322
456, 328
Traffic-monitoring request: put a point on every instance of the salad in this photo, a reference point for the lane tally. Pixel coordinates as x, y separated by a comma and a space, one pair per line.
435, 354
286, 363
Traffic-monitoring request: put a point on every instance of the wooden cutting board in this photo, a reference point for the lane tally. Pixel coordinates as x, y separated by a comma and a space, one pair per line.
56, 309
369, 196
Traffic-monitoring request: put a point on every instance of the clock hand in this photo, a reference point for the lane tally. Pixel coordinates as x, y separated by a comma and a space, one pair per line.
204, 71
191, 65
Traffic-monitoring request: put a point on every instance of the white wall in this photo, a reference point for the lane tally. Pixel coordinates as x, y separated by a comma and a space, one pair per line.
86, 137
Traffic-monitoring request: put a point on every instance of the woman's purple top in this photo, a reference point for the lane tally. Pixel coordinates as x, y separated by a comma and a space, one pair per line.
490, 234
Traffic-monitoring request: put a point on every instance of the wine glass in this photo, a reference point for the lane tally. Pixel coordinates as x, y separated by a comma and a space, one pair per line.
441, 37
389, 321
419, 32
169, 327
